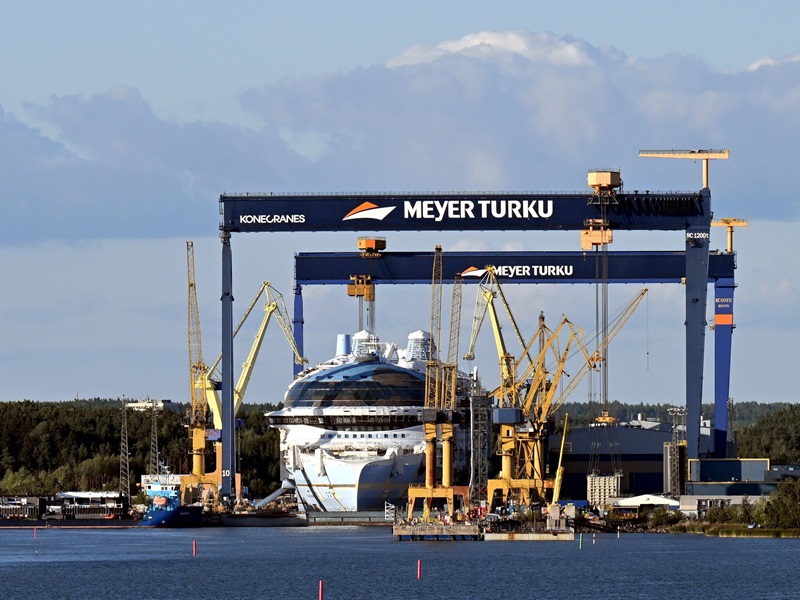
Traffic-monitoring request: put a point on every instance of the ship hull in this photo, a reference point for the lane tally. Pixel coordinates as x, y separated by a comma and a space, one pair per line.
327, 483
176, 516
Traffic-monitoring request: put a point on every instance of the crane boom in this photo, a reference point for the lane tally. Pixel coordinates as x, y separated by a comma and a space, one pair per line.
488, 289
590, 361
560, 469
450, 368
276, 305
541, 410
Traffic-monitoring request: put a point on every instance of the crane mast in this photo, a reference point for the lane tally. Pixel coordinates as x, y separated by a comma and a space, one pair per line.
432, 373
198, 417
199, 485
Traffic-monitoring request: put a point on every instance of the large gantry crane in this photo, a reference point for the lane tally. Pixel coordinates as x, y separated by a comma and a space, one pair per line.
686, 212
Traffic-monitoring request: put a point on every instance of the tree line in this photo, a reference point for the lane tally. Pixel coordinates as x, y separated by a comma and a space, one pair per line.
745, 414
47, 447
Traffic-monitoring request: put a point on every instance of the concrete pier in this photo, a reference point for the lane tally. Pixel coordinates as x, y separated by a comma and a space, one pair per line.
436, 531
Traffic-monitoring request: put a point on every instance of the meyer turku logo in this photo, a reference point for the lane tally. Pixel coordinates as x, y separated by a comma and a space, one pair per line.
368, 210
473, 272
511, 271
439, 210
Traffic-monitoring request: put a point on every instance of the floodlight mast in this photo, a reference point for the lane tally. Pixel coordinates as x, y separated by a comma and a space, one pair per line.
704, 155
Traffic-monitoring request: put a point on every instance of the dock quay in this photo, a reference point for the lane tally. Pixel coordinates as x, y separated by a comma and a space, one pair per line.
261, 519
437, 531
349, 518
68, 523
533, 536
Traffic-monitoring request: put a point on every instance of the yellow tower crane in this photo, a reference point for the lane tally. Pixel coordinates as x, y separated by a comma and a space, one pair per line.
527, 398
441, 386
199, 485
703, 155
274, 305
538, 407
206, 407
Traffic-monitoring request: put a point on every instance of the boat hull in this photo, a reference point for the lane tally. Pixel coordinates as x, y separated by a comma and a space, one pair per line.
177, 516
327, 483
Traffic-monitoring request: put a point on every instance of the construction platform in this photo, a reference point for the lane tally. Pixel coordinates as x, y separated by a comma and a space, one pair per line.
437, 531
476, 532
541, 536
362, 517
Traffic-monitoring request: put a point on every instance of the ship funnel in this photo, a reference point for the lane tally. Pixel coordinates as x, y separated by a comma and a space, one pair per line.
342, 344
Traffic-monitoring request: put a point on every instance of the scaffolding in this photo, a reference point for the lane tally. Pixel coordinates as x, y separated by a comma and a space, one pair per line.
481, 444
155, 469
124, 468
678, 442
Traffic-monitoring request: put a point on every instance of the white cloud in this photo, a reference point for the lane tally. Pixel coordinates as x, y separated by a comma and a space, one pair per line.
771, 61
536, 47
494, 111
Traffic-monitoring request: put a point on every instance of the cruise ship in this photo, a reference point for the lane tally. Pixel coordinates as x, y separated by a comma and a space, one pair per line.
351, 436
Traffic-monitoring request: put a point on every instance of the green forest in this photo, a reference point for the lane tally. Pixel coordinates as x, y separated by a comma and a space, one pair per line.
47, 447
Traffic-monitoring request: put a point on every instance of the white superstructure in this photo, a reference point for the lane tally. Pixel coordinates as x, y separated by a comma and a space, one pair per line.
351, 427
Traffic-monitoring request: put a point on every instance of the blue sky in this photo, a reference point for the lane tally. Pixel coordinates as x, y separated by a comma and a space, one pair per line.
121, 125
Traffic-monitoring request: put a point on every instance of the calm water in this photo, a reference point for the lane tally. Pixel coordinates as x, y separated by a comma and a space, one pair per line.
356, 562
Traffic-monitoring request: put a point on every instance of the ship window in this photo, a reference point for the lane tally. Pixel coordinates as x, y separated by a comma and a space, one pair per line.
347, 435
369, 435
383, 385
402, 435
362, 435
395, 435
385, 435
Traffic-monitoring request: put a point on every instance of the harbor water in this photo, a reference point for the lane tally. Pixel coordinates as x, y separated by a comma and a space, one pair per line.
368, 562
